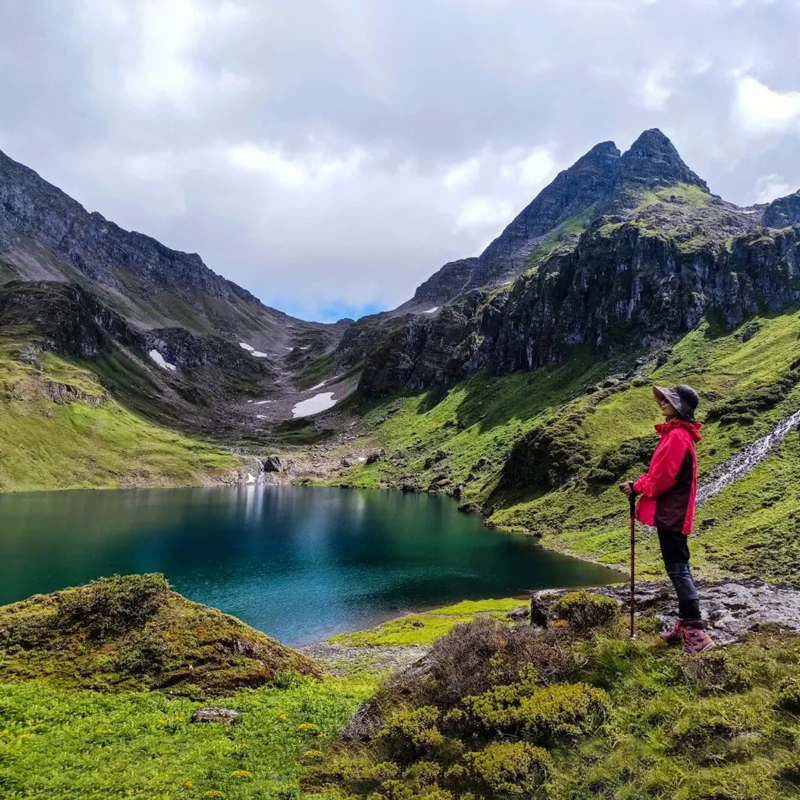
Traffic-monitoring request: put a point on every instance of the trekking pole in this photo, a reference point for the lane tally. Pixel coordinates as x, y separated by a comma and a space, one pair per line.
632, 499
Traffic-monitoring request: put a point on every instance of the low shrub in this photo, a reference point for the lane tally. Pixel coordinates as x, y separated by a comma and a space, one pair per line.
113, 606
356, 774
789, 696
540, 714
413, 734
475, 656
716, 672
583, 610
144, 654
508, 770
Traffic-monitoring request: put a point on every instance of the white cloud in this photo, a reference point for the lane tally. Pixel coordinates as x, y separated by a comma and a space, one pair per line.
531, 171
481, 212
336, 154
655, 91
769, 187
761, 110
462, 174
157, 59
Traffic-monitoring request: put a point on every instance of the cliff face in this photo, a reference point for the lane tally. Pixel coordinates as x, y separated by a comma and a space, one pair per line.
654, 253
46, 235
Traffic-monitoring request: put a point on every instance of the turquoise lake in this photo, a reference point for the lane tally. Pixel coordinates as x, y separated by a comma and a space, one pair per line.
299, 563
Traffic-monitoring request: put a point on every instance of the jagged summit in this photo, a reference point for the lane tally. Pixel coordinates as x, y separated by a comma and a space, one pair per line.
602, 181
600, 155
652, 160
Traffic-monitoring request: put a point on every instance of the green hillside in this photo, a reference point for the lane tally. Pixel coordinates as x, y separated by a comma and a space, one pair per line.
588, 432
60, 429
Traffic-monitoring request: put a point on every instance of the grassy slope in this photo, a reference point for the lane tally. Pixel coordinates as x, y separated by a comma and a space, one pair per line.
81, 743
723, 726
132, 632
748, 527
86, 439
716, 728
77, 719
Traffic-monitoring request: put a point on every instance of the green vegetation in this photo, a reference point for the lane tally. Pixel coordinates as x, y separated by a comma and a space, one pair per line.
78, 719
583, 610
573, 436
133, 633
561, 239
81, 743
424, 628
59, 429
502, 712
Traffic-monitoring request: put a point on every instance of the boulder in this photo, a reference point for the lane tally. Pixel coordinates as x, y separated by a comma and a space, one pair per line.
223, 716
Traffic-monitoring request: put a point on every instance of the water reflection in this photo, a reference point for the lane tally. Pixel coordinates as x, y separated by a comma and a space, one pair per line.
299, 563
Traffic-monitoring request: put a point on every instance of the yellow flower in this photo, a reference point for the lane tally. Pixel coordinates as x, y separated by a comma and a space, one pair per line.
282, 717
313, 754
307, 726
241, 773
188, 784
214, 793
24, 735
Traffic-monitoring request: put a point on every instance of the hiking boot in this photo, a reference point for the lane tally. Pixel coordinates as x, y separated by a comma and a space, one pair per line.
675, 635
695, 639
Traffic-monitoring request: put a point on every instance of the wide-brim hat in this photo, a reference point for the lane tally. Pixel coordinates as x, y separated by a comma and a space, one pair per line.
682, 398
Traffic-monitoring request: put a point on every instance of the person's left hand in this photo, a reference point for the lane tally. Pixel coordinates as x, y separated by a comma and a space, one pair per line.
626, 488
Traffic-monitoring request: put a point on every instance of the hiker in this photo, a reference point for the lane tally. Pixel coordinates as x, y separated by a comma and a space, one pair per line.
667, 502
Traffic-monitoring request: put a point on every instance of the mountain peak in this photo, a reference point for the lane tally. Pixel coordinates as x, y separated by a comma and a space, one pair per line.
601, 154
652, 160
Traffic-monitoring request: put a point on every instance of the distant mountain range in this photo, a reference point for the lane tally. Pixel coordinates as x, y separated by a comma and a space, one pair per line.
621, 250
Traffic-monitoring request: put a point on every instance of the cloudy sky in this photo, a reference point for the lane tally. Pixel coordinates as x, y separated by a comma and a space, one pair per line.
329, 155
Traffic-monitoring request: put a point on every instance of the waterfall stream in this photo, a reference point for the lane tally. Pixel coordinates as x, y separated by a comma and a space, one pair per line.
739, 465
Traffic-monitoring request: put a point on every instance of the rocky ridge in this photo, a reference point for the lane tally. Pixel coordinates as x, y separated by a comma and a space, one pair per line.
618, 252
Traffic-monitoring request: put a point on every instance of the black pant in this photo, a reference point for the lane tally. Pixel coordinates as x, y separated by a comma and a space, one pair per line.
675, 551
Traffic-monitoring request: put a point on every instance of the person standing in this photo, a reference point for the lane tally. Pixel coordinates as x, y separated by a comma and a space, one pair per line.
667, 502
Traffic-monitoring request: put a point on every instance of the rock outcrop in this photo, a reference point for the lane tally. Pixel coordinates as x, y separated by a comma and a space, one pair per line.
653, 254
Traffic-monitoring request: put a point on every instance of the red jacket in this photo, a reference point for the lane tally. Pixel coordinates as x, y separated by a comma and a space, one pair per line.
669, 488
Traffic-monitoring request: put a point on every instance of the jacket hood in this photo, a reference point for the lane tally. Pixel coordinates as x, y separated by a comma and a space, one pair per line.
693, 427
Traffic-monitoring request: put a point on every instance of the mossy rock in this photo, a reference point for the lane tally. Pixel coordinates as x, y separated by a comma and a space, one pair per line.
133, 632
583, 610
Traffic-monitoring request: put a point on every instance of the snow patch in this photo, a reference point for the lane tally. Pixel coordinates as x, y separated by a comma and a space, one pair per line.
319, 402
260, 402
159, 359
320, 385
251, 478
258, 354
431, 310
246, 346
261, 416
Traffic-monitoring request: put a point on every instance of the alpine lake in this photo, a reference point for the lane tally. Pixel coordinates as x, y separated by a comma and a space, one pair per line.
299, 563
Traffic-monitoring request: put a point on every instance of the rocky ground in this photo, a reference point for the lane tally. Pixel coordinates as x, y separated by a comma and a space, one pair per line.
731, 609
340, 659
